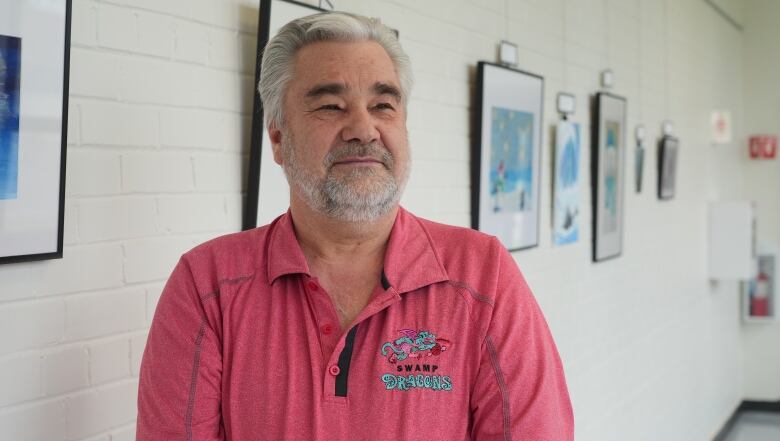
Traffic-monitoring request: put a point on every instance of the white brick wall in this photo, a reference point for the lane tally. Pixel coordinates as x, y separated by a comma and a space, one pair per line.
109, 360
65, 370
41, 420
102, 408
159, 117
20, 379
160, 111
101, 313
39, 323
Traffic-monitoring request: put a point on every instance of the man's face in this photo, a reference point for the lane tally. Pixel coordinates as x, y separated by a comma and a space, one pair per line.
344, 144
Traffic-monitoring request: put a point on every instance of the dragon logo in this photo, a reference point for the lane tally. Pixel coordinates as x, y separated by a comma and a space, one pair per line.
414, 344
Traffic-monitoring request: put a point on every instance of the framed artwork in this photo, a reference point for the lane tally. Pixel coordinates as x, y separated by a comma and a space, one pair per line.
506, 154
667, 166
639, 161
639, 158
607, 175
34, 62
566, 199
268, 194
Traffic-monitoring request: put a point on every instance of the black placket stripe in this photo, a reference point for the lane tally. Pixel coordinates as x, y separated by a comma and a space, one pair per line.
345, 358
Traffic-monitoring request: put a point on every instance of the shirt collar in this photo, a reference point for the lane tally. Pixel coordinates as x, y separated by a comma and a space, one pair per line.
410, 260
285, 255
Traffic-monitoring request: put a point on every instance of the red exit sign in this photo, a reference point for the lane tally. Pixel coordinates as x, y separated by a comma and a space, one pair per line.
763, 146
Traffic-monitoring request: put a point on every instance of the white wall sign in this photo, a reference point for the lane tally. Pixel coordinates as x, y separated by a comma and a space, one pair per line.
720, 121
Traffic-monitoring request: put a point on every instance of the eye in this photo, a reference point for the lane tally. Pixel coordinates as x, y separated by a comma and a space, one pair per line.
384, 106
329, 107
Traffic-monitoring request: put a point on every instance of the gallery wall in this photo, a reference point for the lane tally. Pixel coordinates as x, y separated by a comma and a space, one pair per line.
158, 142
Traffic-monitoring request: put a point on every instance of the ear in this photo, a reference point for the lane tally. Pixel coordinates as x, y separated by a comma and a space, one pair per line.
275, 135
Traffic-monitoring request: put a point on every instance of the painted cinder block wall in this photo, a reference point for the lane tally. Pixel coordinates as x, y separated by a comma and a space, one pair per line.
160, 101
762, 116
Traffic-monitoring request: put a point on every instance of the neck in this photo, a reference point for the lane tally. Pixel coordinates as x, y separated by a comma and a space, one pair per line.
324, 239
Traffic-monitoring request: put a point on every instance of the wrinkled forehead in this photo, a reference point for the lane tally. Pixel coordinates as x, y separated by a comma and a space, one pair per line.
345, 67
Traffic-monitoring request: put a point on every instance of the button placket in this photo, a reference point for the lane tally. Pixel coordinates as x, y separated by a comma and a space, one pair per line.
331, 372
332, 342
326, 322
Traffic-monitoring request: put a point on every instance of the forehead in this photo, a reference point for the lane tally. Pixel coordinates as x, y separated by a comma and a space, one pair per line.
355, 64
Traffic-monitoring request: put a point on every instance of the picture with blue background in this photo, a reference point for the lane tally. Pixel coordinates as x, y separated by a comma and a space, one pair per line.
10, 67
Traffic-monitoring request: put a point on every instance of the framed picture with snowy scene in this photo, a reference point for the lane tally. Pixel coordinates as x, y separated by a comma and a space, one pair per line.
34, 61
566, 183
506, 154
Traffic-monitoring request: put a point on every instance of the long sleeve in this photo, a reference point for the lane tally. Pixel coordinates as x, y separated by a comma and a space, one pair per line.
180, 379
520, 392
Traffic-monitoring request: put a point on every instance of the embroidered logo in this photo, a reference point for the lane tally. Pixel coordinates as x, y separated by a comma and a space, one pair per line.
415, 348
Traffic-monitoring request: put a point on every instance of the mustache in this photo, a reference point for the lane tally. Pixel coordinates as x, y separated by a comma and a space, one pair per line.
374, 150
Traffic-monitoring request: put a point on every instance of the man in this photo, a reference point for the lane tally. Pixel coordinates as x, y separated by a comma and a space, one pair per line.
348, 317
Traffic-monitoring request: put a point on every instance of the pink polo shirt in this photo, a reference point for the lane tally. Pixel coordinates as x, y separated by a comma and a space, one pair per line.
245, 345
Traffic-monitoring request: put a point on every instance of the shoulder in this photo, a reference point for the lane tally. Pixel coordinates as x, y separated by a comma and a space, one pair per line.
480, 264
234, 250
471, 258
228, 258
452, 238
453, 243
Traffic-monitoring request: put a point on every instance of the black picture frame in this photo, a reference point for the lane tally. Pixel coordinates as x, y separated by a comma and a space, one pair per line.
18, 248
507, 93
608, 174
668, 153
266, 17
639, 166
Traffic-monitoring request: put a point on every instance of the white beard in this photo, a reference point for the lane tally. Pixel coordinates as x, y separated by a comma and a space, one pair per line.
359, 195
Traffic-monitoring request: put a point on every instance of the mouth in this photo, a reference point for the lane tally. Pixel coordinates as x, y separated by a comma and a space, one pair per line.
359, 162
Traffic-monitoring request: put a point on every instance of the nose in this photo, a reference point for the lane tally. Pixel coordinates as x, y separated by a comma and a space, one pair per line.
360, 126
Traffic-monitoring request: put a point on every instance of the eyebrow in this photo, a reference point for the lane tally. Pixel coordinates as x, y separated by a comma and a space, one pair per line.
339, 89
325, 89
387, 89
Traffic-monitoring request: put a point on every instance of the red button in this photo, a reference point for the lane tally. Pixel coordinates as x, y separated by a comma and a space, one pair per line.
327, 329
334, 370
313, 286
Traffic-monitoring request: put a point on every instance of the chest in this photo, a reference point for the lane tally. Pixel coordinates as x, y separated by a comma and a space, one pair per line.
287, 372
349, 292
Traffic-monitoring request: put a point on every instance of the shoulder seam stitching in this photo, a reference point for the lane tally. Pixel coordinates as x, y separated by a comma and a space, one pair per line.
477, 296
212, 294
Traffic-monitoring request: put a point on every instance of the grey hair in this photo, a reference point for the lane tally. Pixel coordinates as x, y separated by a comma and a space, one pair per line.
279, 53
